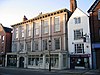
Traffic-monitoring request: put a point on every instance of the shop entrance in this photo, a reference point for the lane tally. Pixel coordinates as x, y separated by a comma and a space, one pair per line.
79, 62
21, 62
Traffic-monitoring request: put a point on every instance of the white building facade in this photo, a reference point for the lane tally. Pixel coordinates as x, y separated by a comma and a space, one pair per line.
30, 46
79, 42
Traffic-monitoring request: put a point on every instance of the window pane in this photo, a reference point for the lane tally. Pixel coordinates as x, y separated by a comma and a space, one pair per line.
79, 48
57, 43
16, 30
21, 46
56, 24
45, 26
45, 44
36, 45
36, 29
99, 14
78, 34
28, 45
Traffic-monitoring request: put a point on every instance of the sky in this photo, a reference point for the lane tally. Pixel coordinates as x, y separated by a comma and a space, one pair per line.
12, 11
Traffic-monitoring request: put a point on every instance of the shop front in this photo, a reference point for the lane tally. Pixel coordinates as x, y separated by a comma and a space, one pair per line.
79, 61
12, 60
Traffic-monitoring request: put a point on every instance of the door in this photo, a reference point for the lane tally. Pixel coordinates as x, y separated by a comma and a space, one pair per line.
21, 62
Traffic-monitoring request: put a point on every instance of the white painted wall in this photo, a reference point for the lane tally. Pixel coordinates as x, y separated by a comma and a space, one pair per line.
83, 25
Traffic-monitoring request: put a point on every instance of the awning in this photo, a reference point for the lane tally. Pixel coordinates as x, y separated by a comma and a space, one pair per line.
96, 45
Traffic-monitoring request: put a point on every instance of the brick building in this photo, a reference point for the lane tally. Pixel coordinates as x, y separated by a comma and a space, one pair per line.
94, 12
5, 42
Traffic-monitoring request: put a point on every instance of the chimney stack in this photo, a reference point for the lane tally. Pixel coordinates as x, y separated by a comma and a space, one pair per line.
73, 5
24, 19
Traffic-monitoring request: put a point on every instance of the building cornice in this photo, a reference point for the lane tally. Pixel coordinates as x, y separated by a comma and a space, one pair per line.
42, 16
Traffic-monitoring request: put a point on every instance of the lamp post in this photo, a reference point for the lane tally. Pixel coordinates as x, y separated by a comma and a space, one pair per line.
49, 42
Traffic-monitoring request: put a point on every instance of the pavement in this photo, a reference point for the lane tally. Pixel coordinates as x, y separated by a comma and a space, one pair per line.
67, 71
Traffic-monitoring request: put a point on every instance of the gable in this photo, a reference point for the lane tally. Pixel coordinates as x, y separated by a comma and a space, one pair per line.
78, 13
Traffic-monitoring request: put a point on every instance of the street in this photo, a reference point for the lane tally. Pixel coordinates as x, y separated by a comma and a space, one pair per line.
18, 71
22, 71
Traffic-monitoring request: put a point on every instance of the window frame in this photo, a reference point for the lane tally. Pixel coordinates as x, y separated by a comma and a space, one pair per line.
45, 45
28, 27
45, 26
78, 47
99, 14
36, 45
16, 32
78, 36
56, 25
77, 20
36, 28
57, 46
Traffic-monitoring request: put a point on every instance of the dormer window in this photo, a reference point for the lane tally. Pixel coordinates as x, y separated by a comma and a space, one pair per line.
99, 14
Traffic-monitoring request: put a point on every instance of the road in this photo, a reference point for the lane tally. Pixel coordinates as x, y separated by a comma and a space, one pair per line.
18, 71
21, 71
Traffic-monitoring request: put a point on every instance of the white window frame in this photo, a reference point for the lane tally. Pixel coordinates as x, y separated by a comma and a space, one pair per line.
45, 46
79, 46
22, 31
99, 14
28, 27
36, 29
0, 36
36, 42
45, 26
77, 20
21, 46
56, 44
56, 25
27, 46
16, 32
3, 38
78, 35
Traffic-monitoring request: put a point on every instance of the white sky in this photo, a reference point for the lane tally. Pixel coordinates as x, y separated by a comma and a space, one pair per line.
12, 11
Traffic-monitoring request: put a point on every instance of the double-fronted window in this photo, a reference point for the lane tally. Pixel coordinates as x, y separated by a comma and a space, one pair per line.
77, 20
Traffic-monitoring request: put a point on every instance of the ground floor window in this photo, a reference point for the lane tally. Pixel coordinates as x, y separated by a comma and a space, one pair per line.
54, 60
79, 62
12, 60
35, 60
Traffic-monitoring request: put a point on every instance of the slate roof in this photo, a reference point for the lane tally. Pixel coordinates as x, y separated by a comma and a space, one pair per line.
93, 6
6, 29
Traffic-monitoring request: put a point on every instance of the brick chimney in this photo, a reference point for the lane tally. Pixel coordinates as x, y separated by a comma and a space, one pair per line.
73, 5
24, 19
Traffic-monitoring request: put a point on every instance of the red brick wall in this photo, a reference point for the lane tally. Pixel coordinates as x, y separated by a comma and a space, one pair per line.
95, 24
